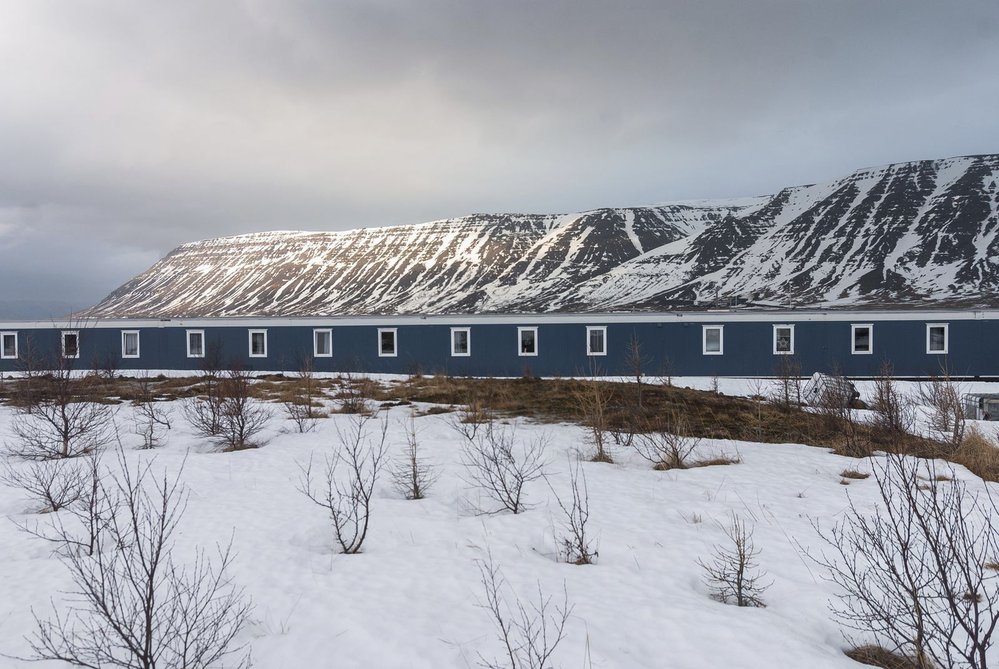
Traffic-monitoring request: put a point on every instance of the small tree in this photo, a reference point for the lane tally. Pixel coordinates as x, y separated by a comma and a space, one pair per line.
916, 570
151, 418
242, 418
665, 440
133, 604
500, 466
945, 396
787, 391
54, 484
593, 398
302, 407
204, 412
836, 406
893, 412
347, 497
733, 573
58, 416
636, 362
575, 540
412, 475
529, 633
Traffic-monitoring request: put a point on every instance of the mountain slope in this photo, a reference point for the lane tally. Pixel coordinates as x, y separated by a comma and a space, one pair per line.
923, 232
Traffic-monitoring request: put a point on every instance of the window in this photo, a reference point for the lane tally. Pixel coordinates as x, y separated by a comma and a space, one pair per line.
527, 341
195, 343
783, 340
130, 343
322, 343
713, 340
862, 338
386, 342
461, 342
596, 340
71, 344
258, 343
8, 345
936, 338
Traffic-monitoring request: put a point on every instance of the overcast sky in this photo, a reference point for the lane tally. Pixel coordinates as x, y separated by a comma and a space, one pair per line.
127, 128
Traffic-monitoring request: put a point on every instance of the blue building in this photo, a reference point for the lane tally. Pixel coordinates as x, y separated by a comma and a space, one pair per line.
683, 343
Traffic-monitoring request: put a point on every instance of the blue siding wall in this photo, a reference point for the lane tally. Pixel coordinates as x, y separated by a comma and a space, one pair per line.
673, 345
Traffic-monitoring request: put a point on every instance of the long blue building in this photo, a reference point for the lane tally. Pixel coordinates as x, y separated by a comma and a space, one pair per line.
685, 343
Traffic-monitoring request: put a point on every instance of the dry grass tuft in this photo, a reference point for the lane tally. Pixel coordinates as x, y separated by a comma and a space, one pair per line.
881, 657
854, 474
979, 453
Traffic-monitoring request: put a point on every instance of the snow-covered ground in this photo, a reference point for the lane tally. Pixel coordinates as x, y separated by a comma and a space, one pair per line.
411, 598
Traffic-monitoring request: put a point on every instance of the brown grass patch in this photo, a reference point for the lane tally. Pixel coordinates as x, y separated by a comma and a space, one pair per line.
717, 461
877, 656
854, 474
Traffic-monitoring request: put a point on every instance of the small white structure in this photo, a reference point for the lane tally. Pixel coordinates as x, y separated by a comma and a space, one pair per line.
822, 388
981, 406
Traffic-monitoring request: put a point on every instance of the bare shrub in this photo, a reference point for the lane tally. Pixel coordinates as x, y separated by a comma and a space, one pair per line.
593, 398
575, 540
242, 417
636, 362
204, 412
944, 396
352, 395
52, 483
497, 464
733, 573
529, 632
57, 415
412, 475
151, 418
664, 441
894, 413
913, 569
835, 405
787, 385
133, 604
358, 456
302, 407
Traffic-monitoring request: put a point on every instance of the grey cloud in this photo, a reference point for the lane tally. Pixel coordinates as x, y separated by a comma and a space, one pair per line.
132, 127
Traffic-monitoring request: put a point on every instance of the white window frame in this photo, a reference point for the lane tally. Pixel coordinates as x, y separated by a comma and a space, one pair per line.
124, 334
781, 326
250, 341
721, 339
395, 343
468, 342
187, 338
520, 347
62, 340
594, 328
870, 338
315, 342
946, 334
3, 355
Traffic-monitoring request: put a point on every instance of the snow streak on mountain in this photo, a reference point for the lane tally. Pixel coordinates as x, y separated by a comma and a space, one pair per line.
923, 233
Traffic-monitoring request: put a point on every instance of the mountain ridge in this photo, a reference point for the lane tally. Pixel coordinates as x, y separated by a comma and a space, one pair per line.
920, 233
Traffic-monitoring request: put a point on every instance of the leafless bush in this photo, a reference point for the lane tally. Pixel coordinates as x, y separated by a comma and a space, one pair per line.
347, 497
301, 407
787, 385
53, 483
500, 467
664, 441
133, 604
529, 633
944, 396
412, 475
151, 418
914, 569
636, 362
351, 395
204, 412
593, 398
575, 540
894, 413
835, 405
733, 573
58, 416
242, 418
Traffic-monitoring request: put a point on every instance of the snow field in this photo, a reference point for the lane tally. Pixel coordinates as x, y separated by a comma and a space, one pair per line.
410, 598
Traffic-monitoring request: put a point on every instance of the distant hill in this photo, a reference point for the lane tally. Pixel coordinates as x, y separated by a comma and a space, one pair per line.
919, 233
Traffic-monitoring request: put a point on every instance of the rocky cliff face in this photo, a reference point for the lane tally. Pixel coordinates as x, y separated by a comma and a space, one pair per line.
923, 233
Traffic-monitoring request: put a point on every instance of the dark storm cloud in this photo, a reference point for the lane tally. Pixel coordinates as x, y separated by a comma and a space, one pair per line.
127, 128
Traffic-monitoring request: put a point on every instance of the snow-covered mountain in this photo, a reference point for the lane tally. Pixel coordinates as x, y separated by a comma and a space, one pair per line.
923, 232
